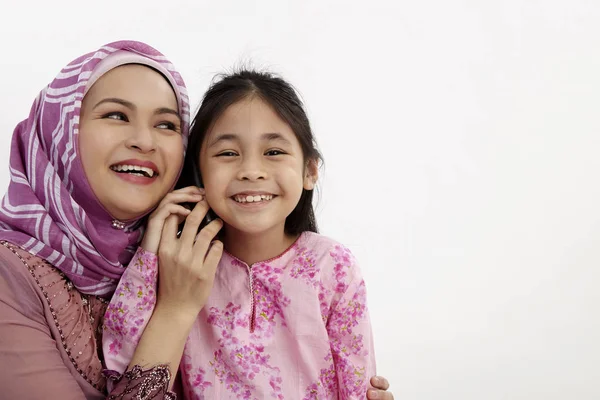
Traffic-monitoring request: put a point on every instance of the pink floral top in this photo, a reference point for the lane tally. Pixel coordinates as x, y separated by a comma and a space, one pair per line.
292, 327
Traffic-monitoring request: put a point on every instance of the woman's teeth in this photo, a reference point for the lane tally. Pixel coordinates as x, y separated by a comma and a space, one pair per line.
134, 170
252, 199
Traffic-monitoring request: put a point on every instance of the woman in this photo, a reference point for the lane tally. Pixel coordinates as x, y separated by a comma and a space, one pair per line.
102, 146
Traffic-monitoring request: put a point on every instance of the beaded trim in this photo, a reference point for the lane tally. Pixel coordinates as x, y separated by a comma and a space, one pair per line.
54, 316
116, 224
155, 382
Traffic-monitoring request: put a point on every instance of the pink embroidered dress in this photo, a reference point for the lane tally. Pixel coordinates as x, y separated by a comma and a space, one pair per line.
292, 327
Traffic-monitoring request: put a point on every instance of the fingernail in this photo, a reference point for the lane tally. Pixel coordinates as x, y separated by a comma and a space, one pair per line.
373, 394
376, 380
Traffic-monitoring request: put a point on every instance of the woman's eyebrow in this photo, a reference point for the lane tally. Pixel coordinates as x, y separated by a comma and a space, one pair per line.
122, 102
166, 110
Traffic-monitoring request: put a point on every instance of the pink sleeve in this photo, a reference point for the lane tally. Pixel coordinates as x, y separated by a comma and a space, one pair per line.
349, 330
129, 311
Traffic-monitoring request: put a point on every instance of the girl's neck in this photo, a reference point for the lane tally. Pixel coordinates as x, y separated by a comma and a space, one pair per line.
252, 248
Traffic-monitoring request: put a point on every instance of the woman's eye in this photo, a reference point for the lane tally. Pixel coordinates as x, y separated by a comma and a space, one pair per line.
167, 125
274, 152
119, 116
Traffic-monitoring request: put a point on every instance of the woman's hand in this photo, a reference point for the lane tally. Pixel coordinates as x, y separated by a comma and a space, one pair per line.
186, 270
379, 382
187, 263
170, 205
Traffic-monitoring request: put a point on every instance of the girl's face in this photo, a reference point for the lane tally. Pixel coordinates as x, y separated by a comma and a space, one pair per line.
253, 168
130, 140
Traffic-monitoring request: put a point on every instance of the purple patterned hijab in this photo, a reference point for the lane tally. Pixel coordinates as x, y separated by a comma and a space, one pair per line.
49, 209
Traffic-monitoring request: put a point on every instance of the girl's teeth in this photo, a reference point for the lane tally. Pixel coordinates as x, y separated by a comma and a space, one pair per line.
252, 199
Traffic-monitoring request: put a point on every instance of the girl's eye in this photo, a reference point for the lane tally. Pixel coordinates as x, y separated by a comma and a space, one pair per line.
274, 152
227, 153
119, 116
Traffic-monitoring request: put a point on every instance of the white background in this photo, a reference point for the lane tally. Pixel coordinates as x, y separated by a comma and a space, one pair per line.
461, 141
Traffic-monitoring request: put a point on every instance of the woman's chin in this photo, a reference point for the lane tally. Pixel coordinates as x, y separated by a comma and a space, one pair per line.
132, 212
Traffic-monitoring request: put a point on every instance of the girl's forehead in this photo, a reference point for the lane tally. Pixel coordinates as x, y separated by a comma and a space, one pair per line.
249, 116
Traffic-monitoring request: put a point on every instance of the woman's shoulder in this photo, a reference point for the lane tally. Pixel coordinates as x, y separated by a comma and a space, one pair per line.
42, 292
19, 281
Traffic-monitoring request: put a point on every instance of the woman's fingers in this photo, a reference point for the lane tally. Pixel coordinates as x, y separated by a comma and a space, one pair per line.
209, 268
192, 224
205, 237
380, 382
168, 238
156, 222
181, 198
189, 189
213, 257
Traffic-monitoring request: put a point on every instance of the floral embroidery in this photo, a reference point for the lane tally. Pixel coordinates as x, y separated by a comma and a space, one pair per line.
326, 387
346, 379
343, 261
196, 378
229, 318
254, 353
132, 302
269, 299
305, 266
236, 363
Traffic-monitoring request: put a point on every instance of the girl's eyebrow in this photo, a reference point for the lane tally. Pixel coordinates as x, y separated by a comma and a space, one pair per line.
275, 136
224, 137
267, 137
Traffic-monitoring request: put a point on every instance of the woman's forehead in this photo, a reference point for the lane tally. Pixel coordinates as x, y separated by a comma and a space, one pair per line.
133, 83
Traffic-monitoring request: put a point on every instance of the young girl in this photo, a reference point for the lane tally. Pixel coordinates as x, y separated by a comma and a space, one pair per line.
287, 315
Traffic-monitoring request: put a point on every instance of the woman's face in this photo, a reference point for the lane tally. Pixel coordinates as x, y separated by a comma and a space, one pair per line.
130, 140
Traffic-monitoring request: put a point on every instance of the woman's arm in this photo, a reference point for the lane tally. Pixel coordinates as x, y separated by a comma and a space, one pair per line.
187, 267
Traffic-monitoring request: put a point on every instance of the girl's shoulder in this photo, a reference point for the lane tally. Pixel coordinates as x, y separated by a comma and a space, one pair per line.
333, 263
322, 244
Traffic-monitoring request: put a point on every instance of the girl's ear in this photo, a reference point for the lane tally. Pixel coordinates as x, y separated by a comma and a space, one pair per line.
311, 174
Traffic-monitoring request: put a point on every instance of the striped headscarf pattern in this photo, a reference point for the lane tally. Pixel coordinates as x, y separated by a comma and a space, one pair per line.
49, 208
